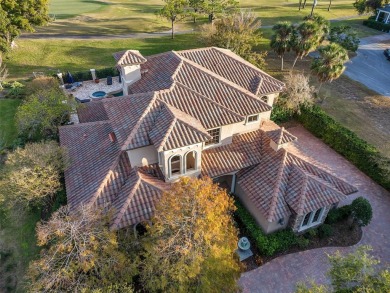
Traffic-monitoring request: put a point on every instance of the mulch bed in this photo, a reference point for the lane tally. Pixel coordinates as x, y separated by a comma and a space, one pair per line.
342, 236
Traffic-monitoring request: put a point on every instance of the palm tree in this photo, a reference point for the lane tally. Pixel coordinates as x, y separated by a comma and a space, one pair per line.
281, 39
305, 39
330, 64
323, 23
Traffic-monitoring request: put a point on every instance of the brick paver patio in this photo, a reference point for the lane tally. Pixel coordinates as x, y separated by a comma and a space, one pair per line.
281, 274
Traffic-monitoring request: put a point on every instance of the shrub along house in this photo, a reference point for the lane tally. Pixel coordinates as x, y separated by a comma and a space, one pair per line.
203, 112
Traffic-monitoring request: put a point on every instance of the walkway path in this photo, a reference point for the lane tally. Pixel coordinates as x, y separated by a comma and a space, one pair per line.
281, 274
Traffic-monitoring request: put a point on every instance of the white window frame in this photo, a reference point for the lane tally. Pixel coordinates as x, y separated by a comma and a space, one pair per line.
219, 140
251, 122
185, 162
310, 223
170, 166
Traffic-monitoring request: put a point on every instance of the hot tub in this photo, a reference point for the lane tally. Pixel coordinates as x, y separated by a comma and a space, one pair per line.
98, 95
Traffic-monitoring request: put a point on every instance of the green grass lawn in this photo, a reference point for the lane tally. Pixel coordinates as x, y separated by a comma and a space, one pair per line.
8, 131
122, 17
49, 56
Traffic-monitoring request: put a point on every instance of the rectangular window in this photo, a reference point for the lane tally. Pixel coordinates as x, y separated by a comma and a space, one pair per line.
216, 136
311, 219
252, 118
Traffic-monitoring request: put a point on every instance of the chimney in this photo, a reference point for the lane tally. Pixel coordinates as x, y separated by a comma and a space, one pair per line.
112, 136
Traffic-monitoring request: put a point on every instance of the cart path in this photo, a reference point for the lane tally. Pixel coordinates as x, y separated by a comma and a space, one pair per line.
282, 273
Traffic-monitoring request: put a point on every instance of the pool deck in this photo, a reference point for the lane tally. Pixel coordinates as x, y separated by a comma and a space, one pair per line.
84, 91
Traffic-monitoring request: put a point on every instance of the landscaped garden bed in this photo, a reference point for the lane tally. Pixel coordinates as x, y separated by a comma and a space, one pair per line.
337, 231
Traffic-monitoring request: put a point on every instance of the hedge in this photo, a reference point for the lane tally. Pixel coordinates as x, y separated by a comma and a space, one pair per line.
380, 26
363, 155
270, 244
86, 75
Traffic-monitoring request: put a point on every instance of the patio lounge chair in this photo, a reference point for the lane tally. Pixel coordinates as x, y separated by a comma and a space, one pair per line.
109, 80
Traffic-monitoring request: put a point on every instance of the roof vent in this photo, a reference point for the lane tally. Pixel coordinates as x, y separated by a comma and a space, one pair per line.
112, 136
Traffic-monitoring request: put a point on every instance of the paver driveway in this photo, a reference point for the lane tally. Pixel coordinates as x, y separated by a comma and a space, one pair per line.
370, 66
281, 274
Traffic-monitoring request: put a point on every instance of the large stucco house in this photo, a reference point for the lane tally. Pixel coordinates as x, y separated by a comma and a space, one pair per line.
202, 112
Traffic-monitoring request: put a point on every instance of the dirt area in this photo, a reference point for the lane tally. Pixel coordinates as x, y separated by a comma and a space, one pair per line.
349, 102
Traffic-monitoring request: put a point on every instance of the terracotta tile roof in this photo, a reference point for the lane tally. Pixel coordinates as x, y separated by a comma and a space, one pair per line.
274, 179
244, 151
129, 57
307, 193
208, 112
126, 115
137, 199
175, 129
220, 90
235, 69
280, 136
159, 70
91, 154
92, 112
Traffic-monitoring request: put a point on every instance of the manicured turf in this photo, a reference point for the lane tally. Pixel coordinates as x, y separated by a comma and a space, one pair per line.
122, 17
7, 123
49, 56
70, 8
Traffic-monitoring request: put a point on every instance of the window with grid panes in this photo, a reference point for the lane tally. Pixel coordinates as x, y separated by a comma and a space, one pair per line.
216, 136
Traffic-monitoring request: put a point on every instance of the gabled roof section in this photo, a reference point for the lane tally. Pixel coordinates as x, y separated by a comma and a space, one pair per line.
129, 57
174, 129
220, 90
88, 169
280, 136
137, 200
307, 193
92, 112
208, 112
127, 114
159, 70
235, 69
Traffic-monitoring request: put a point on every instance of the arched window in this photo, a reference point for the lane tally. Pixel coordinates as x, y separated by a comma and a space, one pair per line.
175, 165
264, 99
190, 159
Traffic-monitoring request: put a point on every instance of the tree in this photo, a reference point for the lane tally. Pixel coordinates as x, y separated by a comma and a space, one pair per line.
190, 245
174, 11
323, 26
42, 112
297, 93
361, 211
80, 254
281, 39
238, 32
306, 37
214, 7
33, 173
197, 6
360, 6
354, 272
17, 16
345, 36
330, 64
3, 72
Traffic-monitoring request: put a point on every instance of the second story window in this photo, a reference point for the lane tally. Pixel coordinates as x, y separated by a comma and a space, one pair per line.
216, 136
252, 118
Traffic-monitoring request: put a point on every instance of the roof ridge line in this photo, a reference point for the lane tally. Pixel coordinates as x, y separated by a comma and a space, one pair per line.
281, 135
278, 178
260, 84
165, 138
104, 181
128, 200
84, 124
243, 61
302, 190
225, 81
139, 122
210, 100
178, 67
123, 56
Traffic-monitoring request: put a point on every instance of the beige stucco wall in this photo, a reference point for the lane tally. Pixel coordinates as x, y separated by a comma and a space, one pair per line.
130, 74
164, 161
268, 227
270, 98
143, 156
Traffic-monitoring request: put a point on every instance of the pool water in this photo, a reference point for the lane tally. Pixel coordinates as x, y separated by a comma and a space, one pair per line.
99, 94
118, 94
